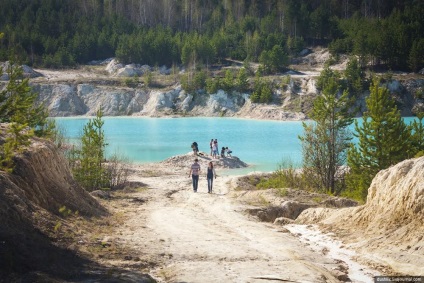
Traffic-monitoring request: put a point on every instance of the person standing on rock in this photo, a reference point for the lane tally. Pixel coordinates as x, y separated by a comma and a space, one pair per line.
195, 148
214, 149
211, 146
194, 173
210, 175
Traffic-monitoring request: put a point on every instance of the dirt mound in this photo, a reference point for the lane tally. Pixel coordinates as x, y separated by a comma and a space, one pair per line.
391, 221
185, 161
30, 199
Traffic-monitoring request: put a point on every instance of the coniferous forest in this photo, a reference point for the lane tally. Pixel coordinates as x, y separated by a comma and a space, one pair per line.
63, 33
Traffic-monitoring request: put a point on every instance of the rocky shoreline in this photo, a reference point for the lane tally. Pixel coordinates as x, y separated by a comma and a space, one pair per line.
120, 91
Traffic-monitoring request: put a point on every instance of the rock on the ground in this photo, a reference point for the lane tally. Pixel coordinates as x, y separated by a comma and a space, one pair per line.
28, 72
283, 221
288, 209
339, 202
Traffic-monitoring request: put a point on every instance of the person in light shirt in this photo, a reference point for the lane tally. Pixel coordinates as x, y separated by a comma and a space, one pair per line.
194, 173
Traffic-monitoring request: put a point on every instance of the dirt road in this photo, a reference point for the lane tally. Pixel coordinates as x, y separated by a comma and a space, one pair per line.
201, 237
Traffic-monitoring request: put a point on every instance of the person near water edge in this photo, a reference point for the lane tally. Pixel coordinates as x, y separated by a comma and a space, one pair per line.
211, 146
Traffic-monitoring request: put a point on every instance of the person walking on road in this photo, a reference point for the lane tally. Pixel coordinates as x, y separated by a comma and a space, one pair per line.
210, 176
194, 173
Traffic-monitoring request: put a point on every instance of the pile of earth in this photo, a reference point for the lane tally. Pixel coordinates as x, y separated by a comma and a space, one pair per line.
34, 200
389, 228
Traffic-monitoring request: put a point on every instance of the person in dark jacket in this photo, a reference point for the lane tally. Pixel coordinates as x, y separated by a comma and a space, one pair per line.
211, 174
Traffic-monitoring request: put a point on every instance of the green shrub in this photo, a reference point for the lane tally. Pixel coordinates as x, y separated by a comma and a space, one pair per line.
285, 177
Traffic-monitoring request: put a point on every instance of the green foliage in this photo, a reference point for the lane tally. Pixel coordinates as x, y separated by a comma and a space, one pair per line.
266, 61
384, 140
57, 226
228, 82
148, 78
242, 82
255, 96
199, 80
285, 81
295, 44
212, 85
17, 101
326, 140
388, 40
65, 33
89, 170
19, 108
262, 92
266, 93
326, 76
133, 81
285, 176
273, 60
355, 77
192, 82
6, 157
416, 56
187, 83
417, 135
64, 211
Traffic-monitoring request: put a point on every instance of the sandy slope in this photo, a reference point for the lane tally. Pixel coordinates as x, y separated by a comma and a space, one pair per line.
201, 237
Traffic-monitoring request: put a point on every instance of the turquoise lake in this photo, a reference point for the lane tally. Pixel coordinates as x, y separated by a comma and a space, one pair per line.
262, 144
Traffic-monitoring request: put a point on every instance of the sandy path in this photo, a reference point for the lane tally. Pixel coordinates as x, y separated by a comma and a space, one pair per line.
201, 237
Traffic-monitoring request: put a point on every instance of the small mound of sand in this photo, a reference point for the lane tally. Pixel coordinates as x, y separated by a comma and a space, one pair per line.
186, 160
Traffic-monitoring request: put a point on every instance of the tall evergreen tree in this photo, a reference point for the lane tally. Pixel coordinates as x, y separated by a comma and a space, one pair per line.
384, 140
19, 108
327, 138
355, 76
18, 102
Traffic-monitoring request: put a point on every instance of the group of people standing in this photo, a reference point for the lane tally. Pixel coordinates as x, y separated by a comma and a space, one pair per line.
195, 172
214, 149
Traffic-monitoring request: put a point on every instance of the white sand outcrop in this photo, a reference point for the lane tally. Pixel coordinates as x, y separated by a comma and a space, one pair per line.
186, 160
389, 228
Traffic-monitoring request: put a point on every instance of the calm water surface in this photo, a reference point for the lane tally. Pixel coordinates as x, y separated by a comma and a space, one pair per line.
262, 144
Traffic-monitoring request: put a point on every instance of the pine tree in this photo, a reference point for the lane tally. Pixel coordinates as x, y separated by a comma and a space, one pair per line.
416, 57
257, 89
18, 102
266, 93
384, 140
19, 108
327, 138
228, 82
355, 76
242, 81
91, 172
